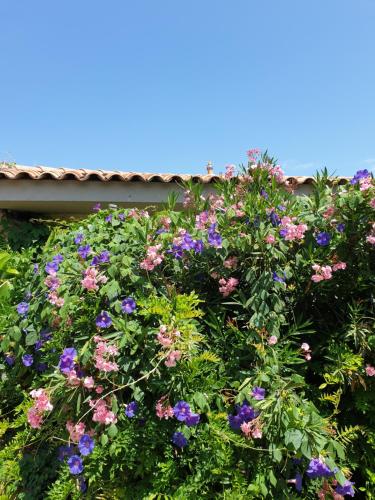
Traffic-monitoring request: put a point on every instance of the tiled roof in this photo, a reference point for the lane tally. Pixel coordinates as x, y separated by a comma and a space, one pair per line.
15, 172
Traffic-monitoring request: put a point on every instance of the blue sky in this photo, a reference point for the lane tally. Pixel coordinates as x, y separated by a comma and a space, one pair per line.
165, 86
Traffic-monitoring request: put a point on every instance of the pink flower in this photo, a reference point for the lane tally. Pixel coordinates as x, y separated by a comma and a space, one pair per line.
371, 239
164, 341
173, 356
246, 428
230, 263
41, 405
229, 171
257, 433
101, 412
277, 172
317, 277
227, 287
88, 382
99, 389
153, 258
253, 155
90, 280
322, 272
329, 212
306, 351
102, 352
164, 410
34, 418
55, 300
76, 431
270, 239
72, 378
42, 402
272, 340
339, 265
326, 272
370, 371
372, 203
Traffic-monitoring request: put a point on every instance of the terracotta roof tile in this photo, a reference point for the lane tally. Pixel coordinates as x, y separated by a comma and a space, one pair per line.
15, 172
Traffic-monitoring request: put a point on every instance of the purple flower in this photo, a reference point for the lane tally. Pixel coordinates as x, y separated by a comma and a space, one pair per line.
192, 419
360, 174
283, 232
9, 360
131, 409
277, 278
75, 464
264, 194
297, 481
275, 219
103, 320
23, 308
258, 393
340, 227
128, 305
198, 246
121, 216
108, 218
323, 239
214, 239
181, 411
66, 363
345, 489
27, 359
65, 451
78, 239
58, 258
317, 468
179, 439
86, 445
176, 251
83, 251
82, 484
96, 207
244, 413
36, 268
52, 267
41, 367
104, 257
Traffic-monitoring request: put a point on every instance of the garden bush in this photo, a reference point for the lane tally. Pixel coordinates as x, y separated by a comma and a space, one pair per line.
222, 351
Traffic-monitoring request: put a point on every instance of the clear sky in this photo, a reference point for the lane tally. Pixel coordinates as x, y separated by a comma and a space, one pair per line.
165, 86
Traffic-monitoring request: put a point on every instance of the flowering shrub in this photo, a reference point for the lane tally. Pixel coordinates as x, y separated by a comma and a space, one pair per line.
226, 351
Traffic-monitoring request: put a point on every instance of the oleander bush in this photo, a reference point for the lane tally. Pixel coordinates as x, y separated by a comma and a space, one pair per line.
221, 351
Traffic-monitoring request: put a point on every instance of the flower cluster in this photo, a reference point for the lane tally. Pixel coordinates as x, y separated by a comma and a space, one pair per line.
184, 242
41, 405
227, 286
102, 352
101, 413
325, 272
92, 278
153, 258
167, 338
290, 231
163, 409
244, 414
363, 179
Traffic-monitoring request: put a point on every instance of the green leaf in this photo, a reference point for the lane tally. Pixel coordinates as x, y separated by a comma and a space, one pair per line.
294, 437
104, 439
112, 430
